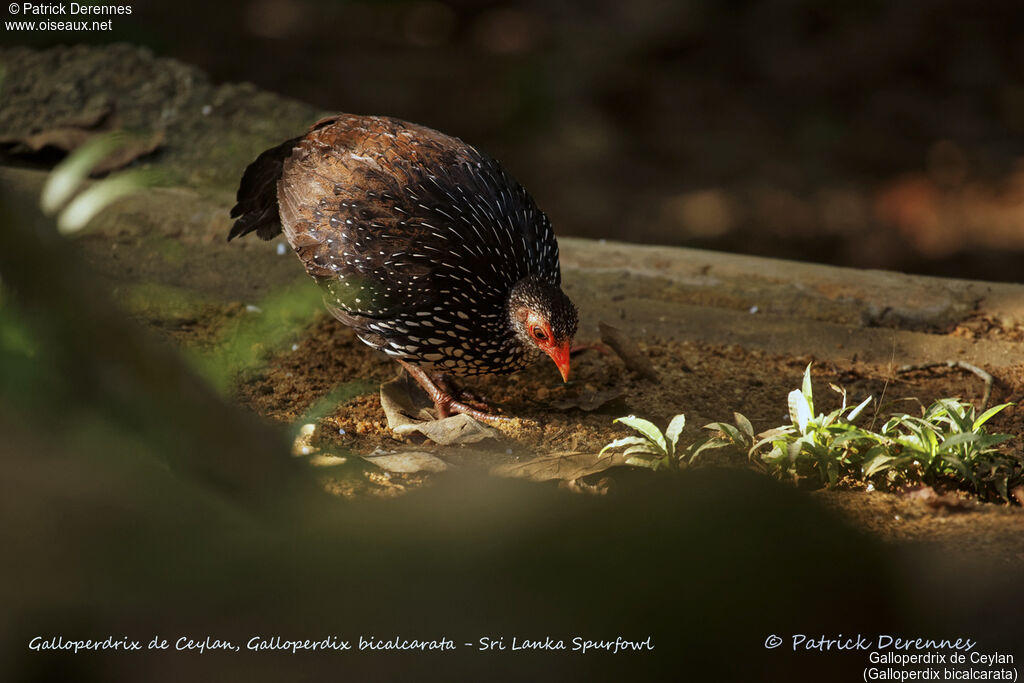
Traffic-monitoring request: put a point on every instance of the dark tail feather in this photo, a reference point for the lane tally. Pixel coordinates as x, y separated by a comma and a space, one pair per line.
256, 207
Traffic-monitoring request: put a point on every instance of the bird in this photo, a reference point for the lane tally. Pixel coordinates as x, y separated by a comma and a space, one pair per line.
423, 245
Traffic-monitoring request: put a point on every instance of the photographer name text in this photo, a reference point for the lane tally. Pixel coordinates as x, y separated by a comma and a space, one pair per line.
63, 16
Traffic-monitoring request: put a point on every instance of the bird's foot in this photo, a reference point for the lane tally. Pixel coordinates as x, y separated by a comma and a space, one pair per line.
459, 393
447, 406
440, 389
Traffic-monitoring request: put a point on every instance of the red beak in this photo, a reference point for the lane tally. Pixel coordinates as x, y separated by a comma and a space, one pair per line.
560, 354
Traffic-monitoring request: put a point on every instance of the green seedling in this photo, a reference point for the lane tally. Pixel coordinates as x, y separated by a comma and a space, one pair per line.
947, 442
652, 449
738, 438
946, 445
815, 448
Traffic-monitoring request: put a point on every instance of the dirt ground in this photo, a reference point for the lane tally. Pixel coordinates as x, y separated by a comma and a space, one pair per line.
706, 382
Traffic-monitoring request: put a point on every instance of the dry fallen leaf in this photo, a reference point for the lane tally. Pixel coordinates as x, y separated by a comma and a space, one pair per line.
1018, 494
948, 502
407, 462
407, 415
566, 466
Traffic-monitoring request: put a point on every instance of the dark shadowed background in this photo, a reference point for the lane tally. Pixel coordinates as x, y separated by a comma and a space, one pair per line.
872, 134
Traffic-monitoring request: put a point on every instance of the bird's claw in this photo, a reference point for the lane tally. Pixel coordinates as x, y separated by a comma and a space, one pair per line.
441, 389
446, 408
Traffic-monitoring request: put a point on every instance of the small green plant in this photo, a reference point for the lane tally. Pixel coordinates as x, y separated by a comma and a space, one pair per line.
947, 442
946, 445
738, 437
652, 448
819, 449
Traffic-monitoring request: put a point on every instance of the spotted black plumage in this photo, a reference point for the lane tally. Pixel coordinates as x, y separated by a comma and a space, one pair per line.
422, 244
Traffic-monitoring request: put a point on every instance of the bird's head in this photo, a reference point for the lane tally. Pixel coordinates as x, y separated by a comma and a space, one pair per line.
544, 318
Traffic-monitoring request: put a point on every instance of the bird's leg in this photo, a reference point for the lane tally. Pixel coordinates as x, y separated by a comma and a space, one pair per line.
449, 386
443, 401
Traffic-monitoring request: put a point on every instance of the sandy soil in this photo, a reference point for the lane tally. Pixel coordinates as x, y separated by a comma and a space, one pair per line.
706, 382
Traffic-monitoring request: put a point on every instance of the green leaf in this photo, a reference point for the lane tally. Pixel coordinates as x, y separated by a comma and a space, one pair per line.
775, 433
646, 449
793, 450
989, 440
799, 410
771, 436
957, 465
892, 424
675, 428
954, 440
988, 415
852, 435
647, 428
805, 388
744, 424
856, 411
1000, 484
954, 412
876, 464
777, 456
732, 434
625, 441
828, 420
709, 444
832, 470
640, 462
662, 463
936, 411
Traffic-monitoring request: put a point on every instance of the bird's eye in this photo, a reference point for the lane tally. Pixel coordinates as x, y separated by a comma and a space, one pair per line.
539, 334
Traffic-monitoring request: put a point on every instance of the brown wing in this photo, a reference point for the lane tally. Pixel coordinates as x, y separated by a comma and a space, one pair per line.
256, 207
339, 191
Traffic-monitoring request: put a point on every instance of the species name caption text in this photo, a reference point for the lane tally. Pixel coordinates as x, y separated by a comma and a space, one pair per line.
898, 658
209, 644
63, 16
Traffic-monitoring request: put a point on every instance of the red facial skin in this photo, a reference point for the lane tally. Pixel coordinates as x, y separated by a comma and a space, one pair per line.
540, 332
